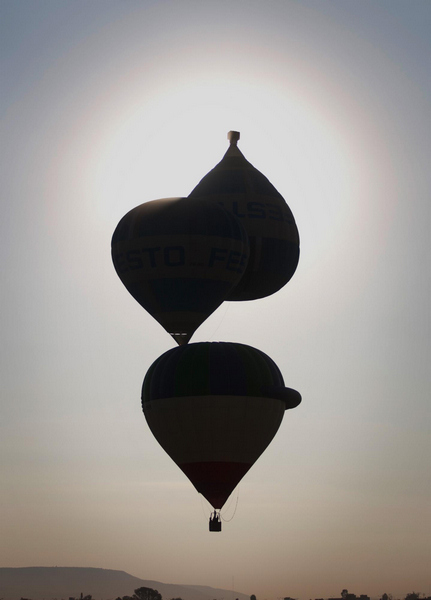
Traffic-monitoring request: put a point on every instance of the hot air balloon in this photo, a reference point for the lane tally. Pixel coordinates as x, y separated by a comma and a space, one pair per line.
274, 240
180, 258
214, 408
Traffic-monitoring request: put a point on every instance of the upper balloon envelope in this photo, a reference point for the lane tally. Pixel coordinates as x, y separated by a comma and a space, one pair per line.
179, 258
250, 196
214, 408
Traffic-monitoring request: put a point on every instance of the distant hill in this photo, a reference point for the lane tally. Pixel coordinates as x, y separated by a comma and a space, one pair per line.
47, 583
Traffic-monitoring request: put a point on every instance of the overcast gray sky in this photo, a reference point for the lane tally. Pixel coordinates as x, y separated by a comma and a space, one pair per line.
106, 105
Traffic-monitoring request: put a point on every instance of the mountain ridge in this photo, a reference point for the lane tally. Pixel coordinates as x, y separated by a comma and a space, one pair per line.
49, 583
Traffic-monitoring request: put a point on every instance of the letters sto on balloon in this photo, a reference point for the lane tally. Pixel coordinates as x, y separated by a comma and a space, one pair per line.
180, 258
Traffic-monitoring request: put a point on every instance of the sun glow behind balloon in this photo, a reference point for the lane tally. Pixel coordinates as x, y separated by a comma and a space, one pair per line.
135, 143
164, 146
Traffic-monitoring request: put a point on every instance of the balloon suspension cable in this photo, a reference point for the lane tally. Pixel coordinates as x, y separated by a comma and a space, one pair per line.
234, 511
223, 316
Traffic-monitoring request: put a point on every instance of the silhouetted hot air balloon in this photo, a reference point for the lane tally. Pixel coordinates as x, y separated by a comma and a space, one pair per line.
214, 408
274, 240
180, 258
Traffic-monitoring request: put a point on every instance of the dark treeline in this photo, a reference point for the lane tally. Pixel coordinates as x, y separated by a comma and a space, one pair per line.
345, 595
145, 593
142, 593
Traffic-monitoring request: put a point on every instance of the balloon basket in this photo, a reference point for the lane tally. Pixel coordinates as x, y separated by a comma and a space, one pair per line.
215, 521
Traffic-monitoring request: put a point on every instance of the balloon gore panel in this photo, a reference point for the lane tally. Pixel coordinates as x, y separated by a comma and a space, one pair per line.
215, 480
218, 368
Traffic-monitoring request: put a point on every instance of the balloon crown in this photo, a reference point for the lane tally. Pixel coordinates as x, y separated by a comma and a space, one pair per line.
233, 137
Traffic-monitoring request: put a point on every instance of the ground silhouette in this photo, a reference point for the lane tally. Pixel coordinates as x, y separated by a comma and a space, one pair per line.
37, 583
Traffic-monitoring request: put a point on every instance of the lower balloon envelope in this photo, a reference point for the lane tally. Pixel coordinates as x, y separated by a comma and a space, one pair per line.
214, 408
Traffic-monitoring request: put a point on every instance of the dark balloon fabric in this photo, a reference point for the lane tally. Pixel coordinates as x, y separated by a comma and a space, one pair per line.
214, 368
180, 258
274, 240
214, 408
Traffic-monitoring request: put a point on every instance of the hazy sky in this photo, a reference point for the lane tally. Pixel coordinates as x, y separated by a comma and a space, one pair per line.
106, 105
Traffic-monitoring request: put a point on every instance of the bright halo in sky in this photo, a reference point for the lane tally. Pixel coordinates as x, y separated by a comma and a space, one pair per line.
141, 146
164, 145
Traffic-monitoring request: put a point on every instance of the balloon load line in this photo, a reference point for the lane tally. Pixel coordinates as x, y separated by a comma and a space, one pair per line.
234, 510
214, 407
